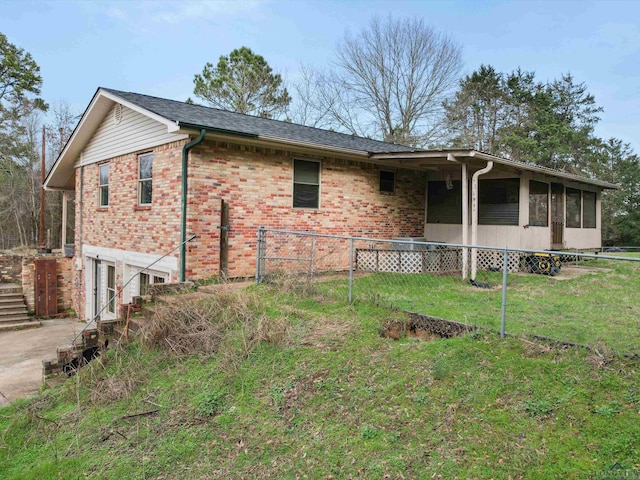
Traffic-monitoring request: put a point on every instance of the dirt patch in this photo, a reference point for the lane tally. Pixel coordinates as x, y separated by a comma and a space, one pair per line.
569, 272
573, 271
22, 352
424, 327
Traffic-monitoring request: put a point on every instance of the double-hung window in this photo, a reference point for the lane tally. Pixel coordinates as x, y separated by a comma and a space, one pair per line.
103, 184
145, 176
306, 184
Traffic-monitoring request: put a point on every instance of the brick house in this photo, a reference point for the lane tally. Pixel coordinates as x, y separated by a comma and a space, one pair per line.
127, 158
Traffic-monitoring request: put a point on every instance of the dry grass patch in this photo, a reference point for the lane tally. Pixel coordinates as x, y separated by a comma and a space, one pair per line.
230, 323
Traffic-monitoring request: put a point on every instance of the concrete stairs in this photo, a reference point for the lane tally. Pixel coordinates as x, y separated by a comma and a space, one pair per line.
13, 310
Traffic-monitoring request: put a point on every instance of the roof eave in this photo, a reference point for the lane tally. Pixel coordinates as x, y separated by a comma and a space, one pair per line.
469, 153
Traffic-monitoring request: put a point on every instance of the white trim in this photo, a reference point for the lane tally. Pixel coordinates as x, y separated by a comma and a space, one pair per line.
167, 264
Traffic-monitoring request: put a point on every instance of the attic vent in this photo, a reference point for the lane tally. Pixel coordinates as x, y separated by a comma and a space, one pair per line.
117, 114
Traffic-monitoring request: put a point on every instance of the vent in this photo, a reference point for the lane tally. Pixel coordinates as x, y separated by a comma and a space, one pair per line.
117, 114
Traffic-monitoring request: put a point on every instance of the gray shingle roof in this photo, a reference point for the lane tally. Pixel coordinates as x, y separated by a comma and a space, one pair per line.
213, 118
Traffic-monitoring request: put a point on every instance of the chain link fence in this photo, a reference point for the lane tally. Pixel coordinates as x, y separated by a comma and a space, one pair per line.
578, 298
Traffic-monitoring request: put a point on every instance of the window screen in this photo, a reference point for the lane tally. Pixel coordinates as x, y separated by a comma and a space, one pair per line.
444, 205
538, 204
306, 184
589, 212
574, 208
498, 201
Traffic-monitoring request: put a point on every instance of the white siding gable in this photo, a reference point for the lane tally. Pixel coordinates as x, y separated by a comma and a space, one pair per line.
134, 132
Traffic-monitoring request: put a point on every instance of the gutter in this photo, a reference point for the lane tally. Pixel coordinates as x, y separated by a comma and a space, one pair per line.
183, 219
465, 212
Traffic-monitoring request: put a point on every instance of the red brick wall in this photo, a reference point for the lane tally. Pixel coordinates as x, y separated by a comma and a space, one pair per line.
10, 268
257, 184
125, 225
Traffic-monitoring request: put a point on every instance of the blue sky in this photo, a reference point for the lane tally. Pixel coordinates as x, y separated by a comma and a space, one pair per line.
157, 47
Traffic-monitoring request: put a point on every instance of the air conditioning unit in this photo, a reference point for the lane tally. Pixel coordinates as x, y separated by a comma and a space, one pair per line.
412, 244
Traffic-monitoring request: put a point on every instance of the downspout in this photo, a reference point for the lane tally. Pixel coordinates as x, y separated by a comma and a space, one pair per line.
474, 216
80, 271
465, 213
183, 220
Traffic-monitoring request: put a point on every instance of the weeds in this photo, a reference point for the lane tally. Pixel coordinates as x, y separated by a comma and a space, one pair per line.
608, 410
210, 403
212, 324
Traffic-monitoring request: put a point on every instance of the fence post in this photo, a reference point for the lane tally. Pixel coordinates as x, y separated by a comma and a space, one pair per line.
258, 253
350, 270
505, 268
312, 257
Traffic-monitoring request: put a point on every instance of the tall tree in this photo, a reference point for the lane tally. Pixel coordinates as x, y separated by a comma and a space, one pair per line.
62, 120
242, 82
20, 83
514, 115
388, 83
615, 161
476, 113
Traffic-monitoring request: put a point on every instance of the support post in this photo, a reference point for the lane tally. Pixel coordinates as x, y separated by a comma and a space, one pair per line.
465, 221
312, 257
65, 207
505, 268
259, 253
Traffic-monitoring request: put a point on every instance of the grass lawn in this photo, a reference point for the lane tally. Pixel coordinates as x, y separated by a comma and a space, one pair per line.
594, 303
333, 400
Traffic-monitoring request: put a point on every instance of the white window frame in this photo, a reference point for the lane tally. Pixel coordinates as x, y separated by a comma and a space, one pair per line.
146, 179
293, 183
103, 186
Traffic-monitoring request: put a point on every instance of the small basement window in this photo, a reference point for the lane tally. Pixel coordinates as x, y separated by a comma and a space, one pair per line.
387, 181
149, 278
306, 184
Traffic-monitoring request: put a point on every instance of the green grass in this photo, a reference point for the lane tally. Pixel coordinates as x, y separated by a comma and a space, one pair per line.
336, 401
599, 308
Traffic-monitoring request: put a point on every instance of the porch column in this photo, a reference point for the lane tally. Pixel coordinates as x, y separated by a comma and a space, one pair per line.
465, 220
65, 205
